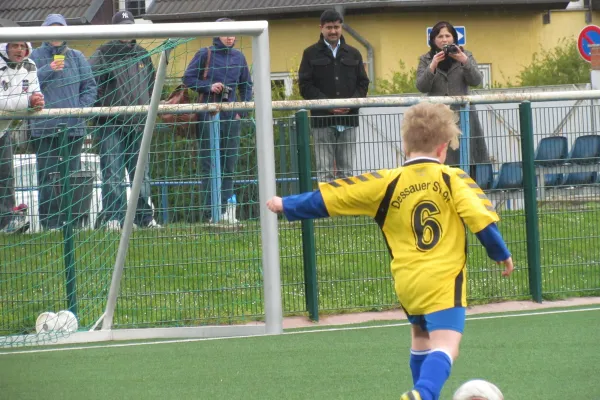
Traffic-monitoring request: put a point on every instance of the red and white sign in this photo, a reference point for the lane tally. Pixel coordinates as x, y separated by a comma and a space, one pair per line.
588, 36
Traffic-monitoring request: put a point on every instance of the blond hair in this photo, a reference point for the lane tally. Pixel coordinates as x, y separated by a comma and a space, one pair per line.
426, 126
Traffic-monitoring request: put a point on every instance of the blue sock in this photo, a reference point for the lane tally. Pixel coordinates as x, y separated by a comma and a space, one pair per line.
434, 373
416, 360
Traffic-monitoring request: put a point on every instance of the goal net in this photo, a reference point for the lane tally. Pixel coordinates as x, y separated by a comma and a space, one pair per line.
92, 249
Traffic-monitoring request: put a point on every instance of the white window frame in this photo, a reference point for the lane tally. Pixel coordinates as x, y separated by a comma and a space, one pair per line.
123, 6
288, 83
486, 71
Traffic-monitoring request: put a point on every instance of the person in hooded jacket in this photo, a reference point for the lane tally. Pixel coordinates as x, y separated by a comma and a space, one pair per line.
125, 76
66, 80
227, 73
439, 74
332, 69
19, 90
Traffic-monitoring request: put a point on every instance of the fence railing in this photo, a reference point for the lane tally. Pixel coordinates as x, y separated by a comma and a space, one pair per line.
540, 167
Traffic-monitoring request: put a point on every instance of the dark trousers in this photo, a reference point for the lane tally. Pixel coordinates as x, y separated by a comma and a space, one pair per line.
7, 180
47, 149
229, 146
119, 149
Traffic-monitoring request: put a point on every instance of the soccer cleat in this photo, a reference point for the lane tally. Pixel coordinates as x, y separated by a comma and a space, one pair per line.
153, 225
20, 209
16, 225
113, 225
229, 216
412, 395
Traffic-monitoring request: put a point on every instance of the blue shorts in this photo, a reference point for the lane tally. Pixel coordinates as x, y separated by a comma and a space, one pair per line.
452, 319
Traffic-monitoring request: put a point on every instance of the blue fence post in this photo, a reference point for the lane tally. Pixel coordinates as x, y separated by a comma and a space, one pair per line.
215, 167
283, 168
465, 142
295, 169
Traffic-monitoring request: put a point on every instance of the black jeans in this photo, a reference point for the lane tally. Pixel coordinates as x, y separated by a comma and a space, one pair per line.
229, 147
7, 180
47, 148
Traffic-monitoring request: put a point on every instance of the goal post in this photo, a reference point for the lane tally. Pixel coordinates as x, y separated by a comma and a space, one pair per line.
104, 327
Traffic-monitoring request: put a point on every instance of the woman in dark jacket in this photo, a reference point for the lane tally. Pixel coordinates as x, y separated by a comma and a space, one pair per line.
451, 73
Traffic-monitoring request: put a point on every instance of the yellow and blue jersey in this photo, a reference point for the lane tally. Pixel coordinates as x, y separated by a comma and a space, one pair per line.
422, 209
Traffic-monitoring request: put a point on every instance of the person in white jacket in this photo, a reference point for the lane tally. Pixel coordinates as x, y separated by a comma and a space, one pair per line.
19, 90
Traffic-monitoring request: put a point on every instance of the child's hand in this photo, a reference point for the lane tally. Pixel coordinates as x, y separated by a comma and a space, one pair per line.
275, 204
508, 266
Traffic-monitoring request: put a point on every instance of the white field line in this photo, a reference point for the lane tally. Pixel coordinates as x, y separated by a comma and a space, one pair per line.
349, 328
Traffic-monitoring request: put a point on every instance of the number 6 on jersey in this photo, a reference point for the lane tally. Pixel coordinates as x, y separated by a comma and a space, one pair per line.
426, 228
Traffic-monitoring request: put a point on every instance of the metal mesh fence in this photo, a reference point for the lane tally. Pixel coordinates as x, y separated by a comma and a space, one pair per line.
193, 270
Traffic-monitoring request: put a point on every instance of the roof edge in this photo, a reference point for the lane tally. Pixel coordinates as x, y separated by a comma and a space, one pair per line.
92, 10
292, 11
70, 21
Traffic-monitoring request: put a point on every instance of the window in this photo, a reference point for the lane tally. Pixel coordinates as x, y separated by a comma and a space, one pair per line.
136, 7
486, 71
25, 173
92, 164
281, 84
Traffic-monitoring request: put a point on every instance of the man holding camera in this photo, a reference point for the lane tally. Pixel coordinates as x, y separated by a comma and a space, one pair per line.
218, 73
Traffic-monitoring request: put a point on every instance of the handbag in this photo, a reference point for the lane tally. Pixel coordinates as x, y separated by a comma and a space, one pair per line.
180, 95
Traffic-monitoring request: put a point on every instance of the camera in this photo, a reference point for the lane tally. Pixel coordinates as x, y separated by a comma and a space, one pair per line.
225, 93
450, 49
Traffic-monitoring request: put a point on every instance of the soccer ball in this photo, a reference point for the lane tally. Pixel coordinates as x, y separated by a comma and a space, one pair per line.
478, 389
45, 322
66, 321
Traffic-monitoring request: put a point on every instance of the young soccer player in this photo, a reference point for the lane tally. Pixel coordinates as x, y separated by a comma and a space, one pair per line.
421, 208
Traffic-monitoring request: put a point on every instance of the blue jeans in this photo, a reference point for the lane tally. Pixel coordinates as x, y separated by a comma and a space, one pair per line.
119, 149
47, 149
230, 146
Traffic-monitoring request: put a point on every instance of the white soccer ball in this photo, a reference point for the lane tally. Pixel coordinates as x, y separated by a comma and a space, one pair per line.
45, 322
478, 389
66, 321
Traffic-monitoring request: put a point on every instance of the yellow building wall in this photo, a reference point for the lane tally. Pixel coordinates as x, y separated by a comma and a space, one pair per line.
504, 39
564, 24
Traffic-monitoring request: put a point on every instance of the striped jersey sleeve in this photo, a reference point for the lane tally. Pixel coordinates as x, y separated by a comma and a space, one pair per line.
356, 195
471, 203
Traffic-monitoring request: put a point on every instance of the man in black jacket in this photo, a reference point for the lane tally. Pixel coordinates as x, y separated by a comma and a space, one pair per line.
331, 69
125, 76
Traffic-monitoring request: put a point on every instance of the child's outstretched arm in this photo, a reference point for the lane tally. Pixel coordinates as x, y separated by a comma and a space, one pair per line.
493, 242
300, 206
357, 195
479, 214
275, 205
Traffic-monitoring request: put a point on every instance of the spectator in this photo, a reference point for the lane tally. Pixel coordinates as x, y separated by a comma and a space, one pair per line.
19, 90
217, 73
66, 80
331, 69
125, 76
451, 75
